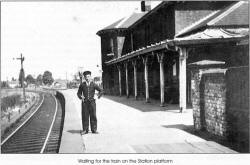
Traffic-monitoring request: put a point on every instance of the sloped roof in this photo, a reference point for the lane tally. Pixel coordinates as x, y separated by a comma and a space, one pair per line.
216, 33
113, 25
125, 22
130, 20
233, 15
236, 15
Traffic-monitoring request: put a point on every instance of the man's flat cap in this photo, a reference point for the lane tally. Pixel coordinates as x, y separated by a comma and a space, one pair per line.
86, 73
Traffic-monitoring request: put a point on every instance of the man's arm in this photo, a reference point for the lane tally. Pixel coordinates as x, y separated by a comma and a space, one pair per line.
79, 92
99, 90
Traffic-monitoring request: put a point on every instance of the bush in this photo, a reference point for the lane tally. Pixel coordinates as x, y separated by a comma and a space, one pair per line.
10, 102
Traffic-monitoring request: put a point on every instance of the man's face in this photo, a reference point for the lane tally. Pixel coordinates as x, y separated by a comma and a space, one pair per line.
87, 77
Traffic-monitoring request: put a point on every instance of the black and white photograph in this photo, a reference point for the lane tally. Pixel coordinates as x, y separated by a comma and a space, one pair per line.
125, 77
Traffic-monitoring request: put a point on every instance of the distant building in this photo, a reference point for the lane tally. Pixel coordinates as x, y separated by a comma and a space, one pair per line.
13, 84
59, 83
31, 86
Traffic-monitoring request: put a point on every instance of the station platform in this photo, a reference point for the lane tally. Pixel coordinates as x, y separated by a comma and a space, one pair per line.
129, 126
71, 141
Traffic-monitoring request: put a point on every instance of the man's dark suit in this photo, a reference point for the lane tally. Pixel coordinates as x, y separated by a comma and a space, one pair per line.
89, 105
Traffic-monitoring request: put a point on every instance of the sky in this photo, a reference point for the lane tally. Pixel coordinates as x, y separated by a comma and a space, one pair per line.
56, 36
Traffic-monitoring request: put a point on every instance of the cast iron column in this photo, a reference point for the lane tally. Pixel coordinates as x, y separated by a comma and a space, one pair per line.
182, 78
126, 71
145, 61
160, 57
120, 81
135, 78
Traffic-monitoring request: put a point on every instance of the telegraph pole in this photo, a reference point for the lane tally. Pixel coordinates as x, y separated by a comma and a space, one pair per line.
22, 75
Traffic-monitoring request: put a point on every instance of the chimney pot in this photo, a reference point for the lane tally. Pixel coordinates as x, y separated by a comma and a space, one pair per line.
145, 6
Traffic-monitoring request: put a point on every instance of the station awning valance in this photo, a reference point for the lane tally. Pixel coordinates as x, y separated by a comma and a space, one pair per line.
207, 36
140, 51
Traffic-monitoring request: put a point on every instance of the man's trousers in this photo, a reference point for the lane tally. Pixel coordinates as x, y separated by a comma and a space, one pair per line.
89, 111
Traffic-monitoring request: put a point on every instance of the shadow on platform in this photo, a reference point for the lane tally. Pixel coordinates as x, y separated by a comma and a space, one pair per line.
141, 105
190, 129
187, 128
203, 134
74, 131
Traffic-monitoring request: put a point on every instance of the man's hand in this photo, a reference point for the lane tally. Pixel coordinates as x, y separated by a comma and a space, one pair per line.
83, 98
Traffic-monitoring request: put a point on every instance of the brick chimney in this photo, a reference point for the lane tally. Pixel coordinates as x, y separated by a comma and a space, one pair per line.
145, 6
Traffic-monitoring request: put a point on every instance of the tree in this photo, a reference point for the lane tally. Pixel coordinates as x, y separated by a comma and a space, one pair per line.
39, 79
47, 78
30, 80
4, 84
21, 76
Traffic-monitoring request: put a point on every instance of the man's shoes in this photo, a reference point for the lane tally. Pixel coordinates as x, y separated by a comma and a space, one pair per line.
83, 132
95, 132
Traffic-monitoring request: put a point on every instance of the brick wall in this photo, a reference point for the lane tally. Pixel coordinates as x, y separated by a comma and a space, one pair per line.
214, 103
209, 100
195, 92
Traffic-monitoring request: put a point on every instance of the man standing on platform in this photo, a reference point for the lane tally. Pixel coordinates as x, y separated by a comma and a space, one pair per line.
86, 93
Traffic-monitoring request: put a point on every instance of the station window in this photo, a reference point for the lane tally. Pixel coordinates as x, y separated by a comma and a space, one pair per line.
174, 68
111, 45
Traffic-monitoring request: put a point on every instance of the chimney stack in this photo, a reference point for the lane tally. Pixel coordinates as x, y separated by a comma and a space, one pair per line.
145, 6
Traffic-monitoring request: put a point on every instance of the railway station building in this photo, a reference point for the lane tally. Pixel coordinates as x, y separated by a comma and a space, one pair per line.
186, 53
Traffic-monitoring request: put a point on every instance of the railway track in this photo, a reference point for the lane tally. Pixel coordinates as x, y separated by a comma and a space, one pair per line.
40, 133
